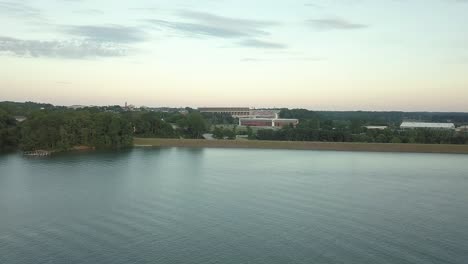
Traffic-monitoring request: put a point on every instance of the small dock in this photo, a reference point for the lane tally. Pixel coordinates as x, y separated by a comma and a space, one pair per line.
37, 153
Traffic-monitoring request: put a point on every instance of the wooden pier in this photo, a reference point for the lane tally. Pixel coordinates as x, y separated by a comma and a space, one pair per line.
37, 153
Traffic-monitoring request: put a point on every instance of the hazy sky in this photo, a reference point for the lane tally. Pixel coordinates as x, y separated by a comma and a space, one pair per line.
322, 54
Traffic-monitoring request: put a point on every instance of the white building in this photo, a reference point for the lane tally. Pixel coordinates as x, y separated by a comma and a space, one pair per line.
462, 129
264, 113
268, 122
376, 127
413, 125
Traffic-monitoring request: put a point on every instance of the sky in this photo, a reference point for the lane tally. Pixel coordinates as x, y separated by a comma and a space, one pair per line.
405, 55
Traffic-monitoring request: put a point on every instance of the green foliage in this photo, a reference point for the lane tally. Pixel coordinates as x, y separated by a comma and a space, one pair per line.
8, 131
421, 136
192, 125
23, 109
224, 133
62, 130
218, 133
219, 118
298, 113
151, 124
59, 128
250, 133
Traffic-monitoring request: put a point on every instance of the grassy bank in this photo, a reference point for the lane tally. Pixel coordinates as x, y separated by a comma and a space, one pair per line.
375, 147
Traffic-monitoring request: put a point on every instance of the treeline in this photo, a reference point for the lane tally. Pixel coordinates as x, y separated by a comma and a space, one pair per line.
62, 130
8, 131
167, 125
350, 127
377, 118
59, 128
422, 136
23, 109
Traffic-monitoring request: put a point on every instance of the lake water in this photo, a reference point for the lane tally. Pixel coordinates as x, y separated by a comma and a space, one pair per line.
180, 205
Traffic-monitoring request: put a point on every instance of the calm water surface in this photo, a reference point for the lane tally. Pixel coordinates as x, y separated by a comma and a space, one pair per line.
234, 206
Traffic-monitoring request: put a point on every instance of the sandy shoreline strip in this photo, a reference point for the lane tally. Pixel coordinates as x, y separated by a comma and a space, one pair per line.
300, 145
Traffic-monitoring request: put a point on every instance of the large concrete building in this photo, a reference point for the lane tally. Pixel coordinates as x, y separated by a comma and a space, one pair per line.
267, 122
242, 112
252, 117
234, 111
462, 129
414, 125
264, 113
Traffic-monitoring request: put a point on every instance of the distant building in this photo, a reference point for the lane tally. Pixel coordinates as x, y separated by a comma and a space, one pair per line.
20, 118
264, 113
462, 129
128, 107
233, 111
267, 122
244, 112
376, 127
74, 107
413, 125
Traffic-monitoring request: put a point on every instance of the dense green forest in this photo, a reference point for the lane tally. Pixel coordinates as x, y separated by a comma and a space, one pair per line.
44, 126
62, 130
350, 127
423, 136
8, 131
59, 128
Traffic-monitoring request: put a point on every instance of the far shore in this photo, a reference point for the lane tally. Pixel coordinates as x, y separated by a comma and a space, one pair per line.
301, 145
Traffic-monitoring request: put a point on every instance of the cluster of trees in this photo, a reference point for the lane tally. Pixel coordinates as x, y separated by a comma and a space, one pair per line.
62, 130
59, 128
422, 136
22, 109
8, 131
224, 133
170, 125
392, 118
219, 119
350, 127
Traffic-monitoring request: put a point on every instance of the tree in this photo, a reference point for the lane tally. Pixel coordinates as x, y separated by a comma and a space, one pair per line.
250, 133
218, 133
195, 125
229, 133
8, 131
381, 138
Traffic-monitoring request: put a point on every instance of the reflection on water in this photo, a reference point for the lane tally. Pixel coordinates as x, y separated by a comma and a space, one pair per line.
177, 205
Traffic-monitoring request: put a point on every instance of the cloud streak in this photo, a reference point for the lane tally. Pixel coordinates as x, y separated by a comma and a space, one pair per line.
255, 43
75, 49
201, 24
334, 24
19, 10
109, 33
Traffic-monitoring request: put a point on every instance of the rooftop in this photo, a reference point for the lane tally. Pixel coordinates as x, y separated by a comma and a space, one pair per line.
426, 125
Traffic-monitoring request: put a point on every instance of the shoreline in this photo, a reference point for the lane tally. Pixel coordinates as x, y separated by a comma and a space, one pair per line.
302, 145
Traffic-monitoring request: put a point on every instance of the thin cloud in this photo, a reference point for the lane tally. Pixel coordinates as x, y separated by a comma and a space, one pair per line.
201, 24
251, 60
89, 12
255, 43
76, 49
249, 26
19, 10
111, 33
334, 23
193, 29
206, 24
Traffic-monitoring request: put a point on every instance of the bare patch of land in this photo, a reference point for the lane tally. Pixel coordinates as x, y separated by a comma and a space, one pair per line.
299, 145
